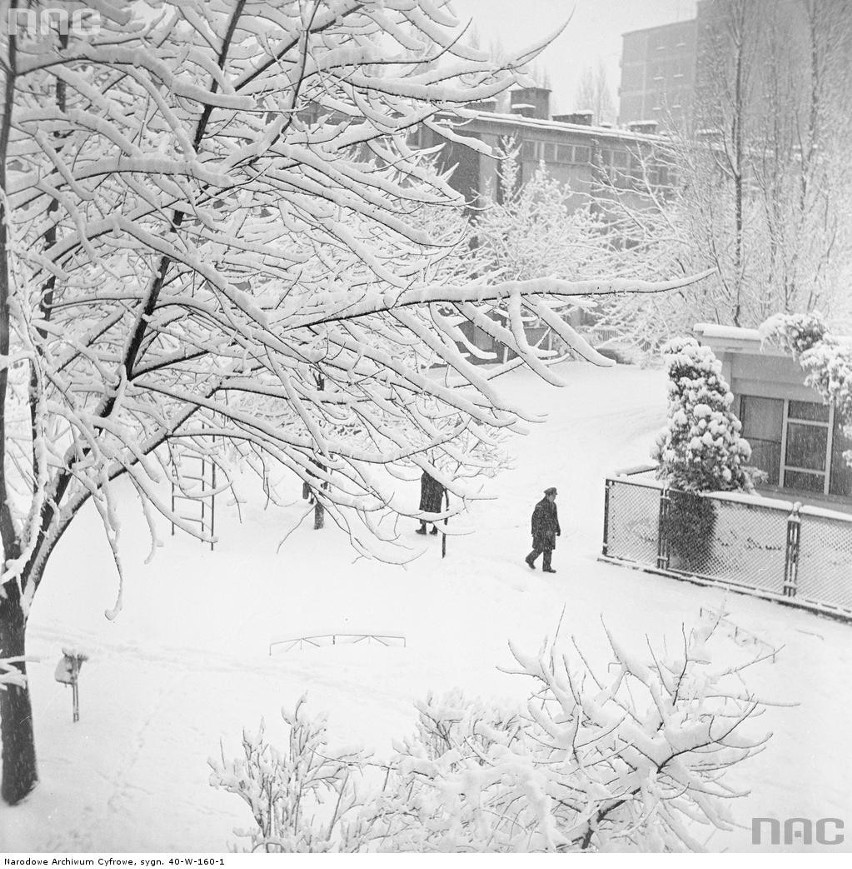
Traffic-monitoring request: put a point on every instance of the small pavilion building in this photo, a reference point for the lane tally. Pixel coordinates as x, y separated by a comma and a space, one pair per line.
797, 440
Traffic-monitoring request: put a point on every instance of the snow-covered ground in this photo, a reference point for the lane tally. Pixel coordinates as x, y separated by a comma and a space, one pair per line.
186, 665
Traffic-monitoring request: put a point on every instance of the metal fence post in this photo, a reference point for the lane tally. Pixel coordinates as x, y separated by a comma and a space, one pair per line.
607, 489
791, 552
662, 530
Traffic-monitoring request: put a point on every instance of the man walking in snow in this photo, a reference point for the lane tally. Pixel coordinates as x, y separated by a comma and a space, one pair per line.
545, 530
431, 497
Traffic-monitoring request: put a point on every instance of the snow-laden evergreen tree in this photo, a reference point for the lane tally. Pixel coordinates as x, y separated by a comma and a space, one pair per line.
701, 448
208, 209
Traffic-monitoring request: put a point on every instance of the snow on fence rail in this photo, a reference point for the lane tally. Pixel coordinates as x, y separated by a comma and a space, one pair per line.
318, 640
770, 548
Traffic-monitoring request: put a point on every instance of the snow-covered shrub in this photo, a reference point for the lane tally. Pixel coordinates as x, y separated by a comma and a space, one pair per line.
700, 449
630, 758
795, 332
826, 362
286, 791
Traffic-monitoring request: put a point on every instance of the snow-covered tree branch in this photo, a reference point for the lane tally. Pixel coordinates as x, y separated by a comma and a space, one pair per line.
208, 211
633, 759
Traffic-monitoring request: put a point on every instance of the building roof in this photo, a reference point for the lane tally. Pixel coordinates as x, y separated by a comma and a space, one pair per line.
561, 126
743, 340
734, 338
672, 25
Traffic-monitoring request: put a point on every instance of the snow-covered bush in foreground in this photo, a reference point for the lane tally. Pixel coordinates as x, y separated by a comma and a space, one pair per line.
628, 760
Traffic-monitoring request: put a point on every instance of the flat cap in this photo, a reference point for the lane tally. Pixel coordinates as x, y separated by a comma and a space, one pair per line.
551, 490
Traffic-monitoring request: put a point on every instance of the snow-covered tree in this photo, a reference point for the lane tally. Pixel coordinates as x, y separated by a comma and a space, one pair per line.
759, 185
594, 94
10, 674
631, 758
826, 361
536, 228
701, 448
208, 209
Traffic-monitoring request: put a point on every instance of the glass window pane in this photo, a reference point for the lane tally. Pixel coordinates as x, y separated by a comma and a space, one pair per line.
766, 455
841, 473
762, 418
806, 446
808, 410
804, 481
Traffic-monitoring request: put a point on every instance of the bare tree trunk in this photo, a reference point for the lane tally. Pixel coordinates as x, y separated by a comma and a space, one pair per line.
737, 136
16, 719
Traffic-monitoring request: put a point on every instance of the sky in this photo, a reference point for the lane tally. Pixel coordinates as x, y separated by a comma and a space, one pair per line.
593, 33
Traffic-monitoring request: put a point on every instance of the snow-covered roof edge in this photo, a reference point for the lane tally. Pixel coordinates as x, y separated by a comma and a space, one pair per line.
730, 333
744, 340
735, 338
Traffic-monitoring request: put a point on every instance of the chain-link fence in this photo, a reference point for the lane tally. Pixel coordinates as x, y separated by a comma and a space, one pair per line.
771, 548
824, 572
631, 527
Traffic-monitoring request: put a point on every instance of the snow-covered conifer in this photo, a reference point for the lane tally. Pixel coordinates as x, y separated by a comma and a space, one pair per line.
701, 449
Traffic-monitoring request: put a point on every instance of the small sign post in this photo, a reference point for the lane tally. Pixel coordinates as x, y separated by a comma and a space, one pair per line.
67, 672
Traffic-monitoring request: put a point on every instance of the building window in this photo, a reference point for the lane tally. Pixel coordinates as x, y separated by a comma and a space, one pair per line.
528, 151
763, 423
798, 444
581, 154
809, 410
621, 159
806, 449
840, 478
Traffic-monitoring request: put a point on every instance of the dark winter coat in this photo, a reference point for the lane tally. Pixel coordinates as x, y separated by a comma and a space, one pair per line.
431, 494
545, 525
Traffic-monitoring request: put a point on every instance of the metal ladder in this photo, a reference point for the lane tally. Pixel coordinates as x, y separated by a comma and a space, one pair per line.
201, 470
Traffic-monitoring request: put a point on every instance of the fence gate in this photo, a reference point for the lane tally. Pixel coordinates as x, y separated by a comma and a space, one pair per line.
193, 500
